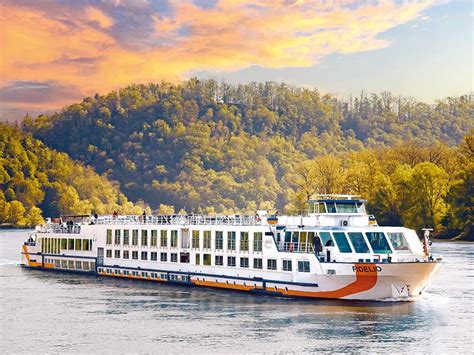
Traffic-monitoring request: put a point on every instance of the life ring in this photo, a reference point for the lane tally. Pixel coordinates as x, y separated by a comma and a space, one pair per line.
291, 247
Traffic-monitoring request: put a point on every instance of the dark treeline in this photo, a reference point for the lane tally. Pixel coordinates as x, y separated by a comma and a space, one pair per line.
218, 148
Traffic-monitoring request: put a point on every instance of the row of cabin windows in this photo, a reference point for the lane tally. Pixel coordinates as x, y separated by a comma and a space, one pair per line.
71, 264
353, 241
153, 275
303, 266
55, 245
122, 237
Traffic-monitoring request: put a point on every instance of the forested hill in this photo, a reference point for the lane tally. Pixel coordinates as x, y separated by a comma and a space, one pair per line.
36, 181
210, 147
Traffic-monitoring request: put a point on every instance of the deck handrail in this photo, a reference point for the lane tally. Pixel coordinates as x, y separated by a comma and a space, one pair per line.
296, 247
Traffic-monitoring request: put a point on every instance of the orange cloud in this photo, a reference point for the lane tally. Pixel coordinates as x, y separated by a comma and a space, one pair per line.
83, 46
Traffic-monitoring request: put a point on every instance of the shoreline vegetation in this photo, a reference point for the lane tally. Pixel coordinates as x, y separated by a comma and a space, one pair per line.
208, 147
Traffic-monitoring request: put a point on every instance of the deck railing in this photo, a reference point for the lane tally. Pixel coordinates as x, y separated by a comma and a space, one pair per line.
180, 219
296, 247
60, 228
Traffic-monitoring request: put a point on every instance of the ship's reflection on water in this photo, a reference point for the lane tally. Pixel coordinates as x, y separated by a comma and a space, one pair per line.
51, 312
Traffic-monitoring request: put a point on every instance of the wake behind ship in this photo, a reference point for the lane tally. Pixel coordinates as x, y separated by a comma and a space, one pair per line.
336, 250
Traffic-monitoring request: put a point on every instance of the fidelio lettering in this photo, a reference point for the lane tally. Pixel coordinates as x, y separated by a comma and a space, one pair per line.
366, 268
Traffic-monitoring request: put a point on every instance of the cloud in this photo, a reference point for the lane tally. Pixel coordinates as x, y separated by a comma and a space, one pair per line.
92, 45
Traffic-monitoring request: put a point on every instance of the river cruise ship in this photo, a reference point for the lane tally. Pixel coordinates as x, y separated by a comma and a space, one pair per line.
335, 250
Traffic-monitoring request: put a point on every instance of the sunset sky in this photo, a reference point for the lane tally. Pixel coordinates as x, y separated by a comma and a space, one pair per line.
53, 53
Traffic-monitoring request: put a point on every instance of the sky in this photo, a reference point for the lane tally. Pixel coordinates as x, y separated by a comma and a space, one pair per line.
55, 52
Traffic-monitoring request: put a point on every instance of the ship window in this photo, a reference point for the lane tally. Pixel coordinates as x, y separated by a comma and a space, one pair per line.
219, 240
85, 244
108, 253
135, 237
70, 244
378, 242
231, 241
78, 265
303, 266
331, 207
358, 242
57, 263
144, 238
135, 255
126, 254
196, 239
271, 264
64, 244
287, 265
257, 241
163, 256
244, 241
207, 240
125, 237
117, 237
174, 257
117, 254
206, 260
78, 244
231, 261
85, 265
109, 236
219, 261
342, 242
346, 207
244, 262
70, 264
154, 238
326, 239
164, 238
153, 256
198, 259
174, 238
399, 242
184, 257
257, 263
144, 255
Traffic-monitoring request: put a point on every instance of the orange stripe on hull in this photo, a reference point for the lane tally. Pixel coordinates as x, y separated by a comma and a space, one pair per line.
35, 263
364, 281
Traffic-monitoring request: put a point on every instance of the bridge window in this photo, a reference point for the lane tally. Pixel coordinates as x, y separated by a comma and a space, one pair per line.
303, 266
257, 241
399, 242
331, 206
342, 242
326, 239
244, 241
219, 240
257, 263
125, 237
231, 261
287, 265
346, 207
271, 264
378, 242
154, 238
358, 242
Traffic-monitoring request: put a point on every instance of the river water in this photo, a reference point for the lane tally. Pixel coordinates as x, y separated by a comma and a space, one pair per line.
47, 312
